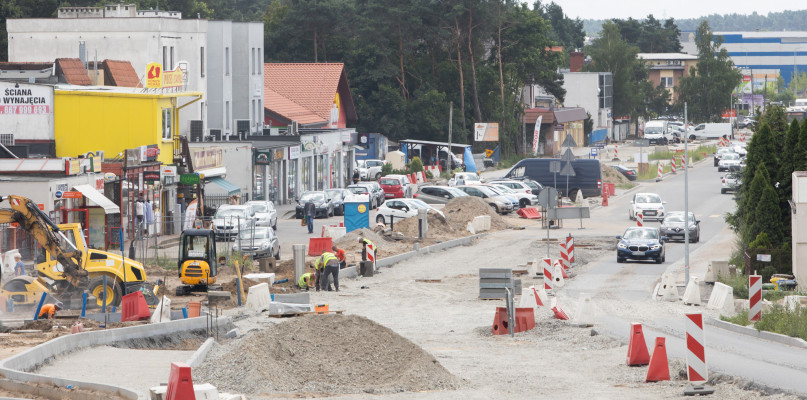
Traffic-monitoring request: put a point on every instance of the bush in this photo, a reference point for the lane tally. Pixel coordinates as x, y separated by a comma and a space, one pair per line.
429, 175
386, 169
416, 165
738, 282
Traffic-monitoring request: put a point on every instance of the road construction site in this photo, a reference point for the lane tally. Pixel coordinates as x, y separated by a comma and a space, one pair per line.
417, 328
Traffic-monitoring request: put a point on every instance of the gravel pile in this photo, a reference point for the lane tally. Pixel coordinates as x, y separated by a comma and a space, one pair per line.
384, 247
610, 175
462, 210
327, 354
438, 228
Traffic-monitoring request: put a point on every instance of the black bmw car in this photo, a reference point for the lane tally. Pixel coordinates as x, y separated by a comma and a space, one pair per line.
323, 204
641, 243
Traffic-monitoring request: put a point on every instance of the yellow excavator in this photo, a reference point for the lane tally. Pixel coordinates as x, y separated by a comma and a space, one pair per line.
197, 261
69, 263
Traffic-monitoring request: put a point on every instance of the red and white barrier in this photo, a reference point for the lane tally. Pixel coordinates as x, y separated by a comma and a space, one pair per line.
570, 247
371, 254
683, 162
639, 219
754, 297
548, 282
672, 165
559, 313
660, 174
616, 153
564, 256
696, 352
558, 275
540, 296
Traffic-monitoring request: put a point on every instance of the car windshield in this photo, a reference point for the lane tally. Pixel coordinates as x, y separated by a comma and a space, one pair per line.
678, 218
419, 204
504, 189
533, 185
653, 130
468, 177
648, 198
259, 234
390, 182
641, 234
488, 191
230, 213
312, 196
731, 156
259, 207
358, 190
334, 194
454, 191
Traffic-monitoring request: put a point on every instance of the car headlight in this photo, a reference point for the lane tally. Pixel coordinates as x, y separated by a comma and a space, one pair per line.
264, 246
655, 247
622, 246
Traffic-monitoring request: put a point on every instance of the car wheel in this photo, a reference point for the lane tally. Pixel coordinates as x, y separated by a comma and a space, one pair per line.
378, 176
664, 142
524, 203
631, 216
495, 208
277, 255
620, 260
380, 219
722, 191
660, 260
573, 194
691, 137
330, 213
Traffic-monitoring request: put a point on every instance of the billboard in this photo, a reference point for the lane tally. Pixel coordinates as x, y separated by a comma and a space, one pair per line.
486, 132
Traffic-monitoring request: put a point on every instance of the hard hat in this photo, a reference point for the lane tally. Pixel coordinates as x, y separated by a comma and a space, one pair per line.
59, 305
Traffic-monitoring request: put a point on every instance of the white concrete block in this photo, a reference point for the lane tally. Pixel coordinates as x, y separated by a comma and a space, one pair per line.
163, 311
481, 223
205, 391
692, 293
527, 298
335, 232
258, 297
471, 228
585, 313
722, 299
667, 290
263, 276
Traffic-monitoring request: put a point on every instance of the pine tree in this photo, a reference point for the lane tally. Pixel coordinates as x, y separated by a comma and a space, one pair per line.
786, 168
768, 207
753, 196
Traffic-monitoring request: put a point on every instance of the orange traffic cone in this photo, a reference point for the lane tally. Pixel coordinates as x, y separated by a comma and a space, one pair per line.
637, 349
659, 369
605, 199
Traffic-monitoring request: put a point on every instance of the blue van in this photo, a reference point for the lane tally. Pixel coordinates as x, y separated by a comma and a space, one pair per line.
588, 175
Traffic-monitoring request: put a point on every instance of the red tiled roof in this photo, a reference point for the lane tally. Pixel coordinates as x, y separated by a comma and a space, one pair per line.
73, 71
120, 73
295, 87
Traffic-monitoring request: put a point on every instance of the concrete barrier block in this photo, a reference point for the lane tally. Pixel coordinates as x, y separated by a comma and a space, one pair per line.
527, 298
163, 311
335, 232
692, 293
258, 297
294, 298
668, 290
349, 272
719, 268
585, 313
264, 276
481, 223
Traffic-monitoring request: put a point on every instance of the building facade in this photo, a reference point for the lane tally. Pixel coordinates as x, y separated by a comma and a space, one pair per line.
666, 69
593, 92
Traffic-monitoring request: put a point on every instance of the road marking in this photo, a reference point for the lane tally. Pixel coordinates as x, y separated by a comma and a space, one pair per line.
715, 216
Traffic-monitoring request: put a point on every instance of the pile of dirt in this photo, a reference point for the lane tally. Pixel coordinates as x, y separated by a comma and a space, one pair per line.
328, 354
232, 286
385, 248
40, 325
155, 271
610, 175
438, 227
462, 210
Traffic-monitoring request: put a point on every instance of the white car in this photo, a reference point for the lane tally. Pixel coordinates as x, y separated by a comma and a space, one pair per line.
649, 204
729, 183
739, 149
265, 213
229, 220
369, 169
729, 162
524, 199
518, 186
464, 178
399, 209
258, 242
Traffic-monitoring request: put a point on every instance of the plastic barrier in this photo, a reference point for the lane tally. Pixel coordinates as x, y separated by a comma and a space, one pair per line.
500, 322
529, 213
584, 315
525, 320
722, 299
754, 297
659, 369
692, 293
570, 247
316, 246
547, 267
609, 188
180, 383
258, 297
134, 307
637, 349
559, 313
696, 354
194, 309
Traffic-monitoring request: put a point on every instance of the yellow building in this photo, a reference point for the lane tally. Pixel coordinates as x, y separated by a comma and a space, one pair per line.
667, 69
114, 119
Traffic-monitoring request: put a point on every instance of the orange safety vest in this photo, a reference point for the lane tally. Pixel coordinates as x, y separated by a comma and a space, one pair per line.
47, 310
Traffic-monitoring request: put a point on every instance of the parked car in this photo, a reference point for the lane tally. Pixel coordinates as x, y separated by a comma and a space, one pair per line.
720, 152
747, 122
502, 204
522, 186
438, 194
337, 196
376, 192
740, 149
674, 226
649, 204
464, 178
369, 169
641, 243
393, 188
729, 162
365, 191
524, 199
398, 209
587, 178
229, 220
711, 131
409, 188
629, 173
321, 201
260, 242
658, 132
729, 183
514, 200
265, 213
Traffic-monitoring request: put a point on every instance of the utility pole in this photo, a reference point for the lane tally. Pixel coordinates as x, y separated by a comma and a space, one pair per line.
686, 202
450, 155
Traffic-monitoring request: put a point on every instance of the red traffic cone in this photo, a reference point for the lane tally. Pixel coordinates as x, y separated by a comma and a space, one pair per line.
659, 369
637, 349
605, 199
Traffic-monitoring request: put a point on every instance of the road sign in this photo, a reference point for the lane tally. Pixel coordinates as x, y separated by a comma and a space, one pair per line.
548, 197
567, 170
569, 142
594, 152
567, 155
641, 143
189, 179
554, 166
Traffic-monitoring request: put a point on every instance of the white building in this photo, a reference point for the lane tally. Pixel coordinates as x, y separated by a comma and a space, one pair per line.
593, 91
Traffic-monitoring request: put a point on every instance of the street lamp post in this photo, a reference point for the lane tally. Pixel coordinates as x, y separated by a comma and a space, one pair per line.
686, 203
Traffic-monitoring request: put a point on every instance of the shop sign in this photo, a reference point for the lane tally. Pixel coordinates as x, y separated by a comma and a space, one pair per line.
72, 167
208, 158
99, 183
110, 177
168, 170
68, 195
263, 157
172, 78
95, 164
324, 149
294, 152
345, 137
26, 100
189, 179
309, 146
151, 176
132, 158
279, 154
149, 153
154, 75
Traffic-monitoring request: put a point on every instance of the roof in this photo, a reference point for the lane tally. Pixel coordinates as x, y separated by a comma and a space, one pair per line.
531, 115
120, 73
24, 66
570, 114
413, 141
306, 90
666, 56
73, 71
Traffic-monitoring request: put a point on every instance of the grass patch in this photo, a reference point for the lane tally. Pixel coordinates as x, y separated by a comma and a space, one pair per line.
626, 185
738, 282
740, 319
664, 158
783, 321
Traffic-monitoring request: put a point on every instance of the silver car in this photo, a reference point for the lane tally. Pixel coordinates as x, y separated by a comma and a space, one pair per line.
259, 242
430, 194
502, 204
265, 213
524, 199
229, 220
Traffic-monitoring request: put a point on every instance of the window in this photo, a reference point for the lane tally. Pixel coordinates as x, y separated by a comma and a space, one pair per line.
252, 65
202, 110
172, 59
166, 123
254, 109
667, 81
202, 62
260, 62
227, 61
227, 113
165, 57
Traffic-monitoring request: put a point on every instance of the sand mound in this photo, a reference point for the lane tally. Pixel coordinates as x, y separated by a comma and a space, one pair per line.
385, 247
438, 227
462, 210
610, 175
324, 354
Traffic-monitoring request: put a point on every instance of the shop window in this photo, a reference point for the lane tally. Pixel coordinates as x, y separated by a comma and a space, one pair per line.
166, 123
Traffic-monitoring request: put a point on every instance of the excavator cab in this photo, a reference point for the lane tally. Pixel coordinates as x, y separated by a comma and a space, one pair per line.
197, 261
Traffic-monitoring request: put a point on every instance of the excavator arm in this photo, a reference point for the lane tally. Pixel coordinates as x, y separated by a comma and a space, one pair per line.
28, 215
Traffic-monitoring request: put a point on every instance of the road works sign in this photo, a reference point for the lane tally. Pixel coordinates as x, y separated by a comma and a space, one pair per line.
154, 75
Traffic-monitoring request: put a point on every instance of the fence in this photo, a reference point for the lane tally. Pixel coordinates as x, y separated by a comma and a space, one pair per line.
777, 261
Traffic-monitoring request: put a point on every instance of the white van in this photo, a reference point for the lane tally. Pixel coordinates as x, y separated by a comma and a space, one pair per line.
658, 132
711, 131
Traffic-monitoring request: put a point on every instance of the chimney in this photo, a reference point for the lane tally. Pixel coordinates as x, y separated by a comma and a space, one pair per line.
576, 61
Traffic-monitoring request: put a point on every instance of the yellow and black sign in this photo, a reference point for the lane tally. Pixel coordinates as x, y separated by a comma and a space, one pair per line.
488, 152
362, 208
154, 75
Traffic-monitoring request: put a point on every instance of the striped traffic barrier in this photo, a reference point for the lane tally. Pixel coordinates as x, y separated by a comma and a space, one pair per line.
371, 254
570, 247
564, 256
754, 297
639, 219
547, 264
660, 175
672, 165
696, 353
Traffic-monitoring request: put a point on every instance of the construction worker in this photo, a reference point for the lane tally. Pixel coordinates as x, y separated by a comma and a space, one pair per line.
340, 255
306, 281
364, 243
19, 267
49, 310
329, 265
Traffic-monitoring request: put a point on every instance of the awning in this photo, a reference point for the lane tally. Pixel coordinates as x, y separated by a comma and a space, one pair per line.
230, 187
98, 198
212, 172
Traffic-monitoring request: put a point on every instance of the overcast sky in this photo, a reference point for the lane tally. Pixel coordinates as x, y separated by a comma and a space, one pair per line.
678, 9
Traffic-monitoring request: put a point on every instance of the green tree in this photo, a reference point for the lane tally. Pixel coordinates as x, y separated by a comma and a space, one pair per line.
649, 35
753, 198
787, 162
761, 152
708, 87
766, 211
566, 32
